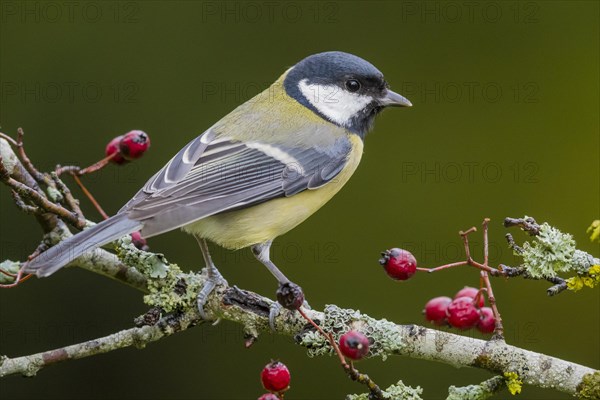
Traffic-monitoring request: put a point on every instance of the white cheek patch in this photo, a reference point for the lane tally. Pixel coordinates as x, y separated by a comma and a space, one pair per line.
335, 103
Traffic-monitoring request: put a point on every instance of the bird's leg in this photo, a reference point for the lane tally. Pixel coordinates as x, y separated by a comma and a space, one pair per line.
289, 295
214, 278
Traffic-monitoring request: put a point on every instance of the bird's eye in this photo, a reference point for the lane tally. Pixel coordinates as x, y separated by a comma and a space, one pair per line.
352, 85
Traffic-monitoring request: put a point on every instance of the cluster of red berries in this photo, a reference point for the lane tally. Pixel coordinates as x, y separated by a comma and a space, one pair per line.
275, 378
127, 147
465, 311
398, 264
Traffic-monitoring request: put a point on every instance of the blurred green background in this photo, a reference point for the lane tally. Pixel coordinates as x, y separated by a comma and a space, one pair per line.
504, 123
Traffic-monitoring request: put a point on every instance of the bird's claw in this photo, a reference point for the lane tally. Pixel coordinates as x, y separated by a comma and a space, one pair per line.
274, 311
214, 279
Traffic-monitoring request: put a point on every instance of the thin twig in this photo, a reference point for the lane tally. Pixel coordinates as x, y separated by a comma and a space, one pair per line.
528, 224
33, 171
446, 266
8, 139
512, 244
26, 208
98, 165
486, 252
469, 260
19, 278
47, 221
499, 328
559, 285
76, 170
90, 197
465, 238
6, 273
72, 203
25, 191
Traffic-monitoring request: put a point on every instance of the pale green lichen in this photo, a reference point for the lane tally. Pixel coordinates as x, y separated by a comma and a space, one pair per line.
384, 336
552, 252
484, 390
398, 391
11, 267
153, 265
315, 342
174, 294
582, 262
549, 253
54, 194
169, 288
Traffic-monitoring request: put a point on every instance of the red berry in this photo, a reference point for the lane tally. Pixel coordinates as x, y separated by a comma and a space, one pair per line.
435, 310
471, 292
268, 396
487, 323
134, 144
275, 376
113, 147
138, 241
399, 264
462, 314
354, 345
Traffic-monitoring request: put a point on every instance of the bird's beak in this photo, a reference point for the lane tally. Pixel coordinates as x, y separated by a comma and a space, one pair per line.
393, 99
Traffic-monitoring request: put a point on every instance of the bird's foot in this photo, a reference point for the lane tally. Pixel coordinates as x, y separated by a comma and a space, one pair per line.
214, 279
274, 311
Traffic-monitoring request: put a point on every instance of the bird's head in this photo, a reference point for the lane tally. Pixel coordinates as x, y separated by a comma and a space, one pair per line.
343, 89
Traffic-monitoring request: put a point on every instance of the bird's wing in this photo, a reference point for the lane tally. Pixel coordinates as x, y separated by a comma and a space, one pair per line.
215, 174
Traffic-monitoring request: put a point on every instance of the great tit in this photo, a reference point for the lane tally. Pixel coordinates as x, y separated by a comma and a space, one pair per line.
259, 171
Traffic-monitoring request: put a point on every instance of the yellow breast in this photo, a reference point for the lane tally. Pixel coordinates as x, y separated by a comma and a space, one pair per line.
266, 221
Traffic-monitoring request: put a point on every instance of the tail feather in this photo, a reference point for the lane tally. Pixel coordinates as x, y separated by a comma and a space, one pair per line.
64, 252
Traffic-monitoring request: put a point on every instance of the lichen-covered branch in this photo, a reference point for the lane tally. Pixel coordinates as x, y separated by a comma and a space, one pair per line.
550, 253
396, 391
138, 337
38, 198
481, 391
252, 310
98, 261
14, 169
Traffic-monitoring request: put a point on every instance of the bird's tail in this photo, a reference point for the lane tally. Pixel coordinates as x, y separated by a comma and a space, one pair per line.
64, 252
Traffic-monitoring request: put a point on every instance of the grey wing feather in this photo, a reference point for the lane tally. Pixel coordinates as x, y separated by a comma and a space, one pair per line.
175, 170
228, 175
98, 235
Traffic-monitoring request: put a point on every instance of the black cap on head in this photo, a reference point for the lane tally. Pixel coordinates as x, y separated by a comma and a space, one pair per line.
332, 67
342, 88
